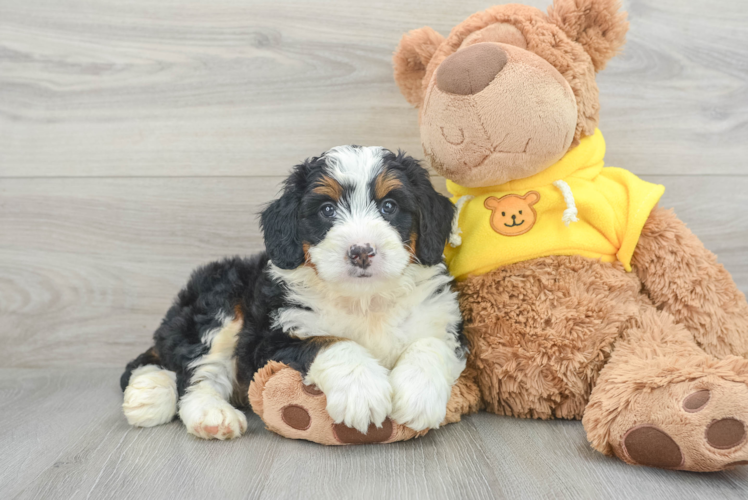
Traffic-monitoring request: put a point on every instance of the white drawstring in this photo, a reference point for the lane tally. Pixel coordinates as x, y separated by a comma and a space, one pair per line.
455, 239
570, 214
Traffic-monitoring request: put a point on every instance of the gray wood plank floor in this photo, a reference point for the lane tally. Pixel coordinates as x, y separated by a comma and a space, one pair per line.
63, 437
139, 139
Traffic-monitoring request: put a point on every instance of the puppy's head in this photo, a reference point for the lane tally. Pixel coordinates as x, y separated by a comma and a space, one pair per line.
357, 215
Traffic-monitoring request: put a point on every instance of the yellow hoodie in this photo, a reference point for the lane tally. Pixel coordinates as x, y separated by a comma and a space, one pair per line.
575, 207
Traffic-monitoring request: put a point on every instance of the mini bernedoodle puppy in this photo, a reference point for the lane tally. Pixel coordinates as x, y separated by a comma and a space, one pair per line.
352, 292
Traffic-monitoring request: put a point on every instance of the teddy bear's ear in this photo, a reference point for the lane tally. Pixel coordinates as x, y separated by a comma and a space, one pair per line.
598, 25
532, 197
491, 202
410, 60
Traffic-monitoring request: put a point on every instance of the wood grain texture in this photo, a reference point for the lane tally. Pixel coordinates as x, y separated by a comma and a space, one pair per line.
70, 440
237, 87
139, 139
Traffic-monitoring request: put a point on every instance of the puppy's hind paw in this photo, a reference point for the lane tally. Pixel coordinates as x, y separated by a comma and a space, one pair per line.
150, 398
211, 418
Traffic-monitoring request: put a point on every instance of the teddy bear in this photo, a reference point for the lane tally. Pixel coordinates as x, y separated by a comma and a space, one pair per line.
582, 298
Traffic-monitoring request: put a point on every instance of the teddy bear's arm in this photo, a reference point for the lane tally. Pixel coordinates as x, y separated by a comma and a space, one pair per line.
684, 279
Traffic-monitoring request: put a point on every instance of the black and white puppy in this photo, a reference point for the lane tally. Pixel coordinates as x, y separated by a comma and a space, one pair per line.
352, 292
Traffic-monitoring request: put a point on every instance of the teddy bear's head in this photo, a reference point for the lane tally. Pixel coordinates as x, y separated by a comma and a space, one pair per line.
511, 89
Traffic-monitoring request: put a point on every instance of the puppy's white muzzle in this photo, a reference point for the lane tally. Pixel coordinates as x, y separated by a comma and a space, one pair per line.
363, 248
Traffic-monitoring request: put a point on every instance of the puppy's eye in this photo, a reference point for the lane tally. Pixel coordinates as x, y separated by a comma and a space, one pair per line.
520, 212
389, 207
327, 211
503, 214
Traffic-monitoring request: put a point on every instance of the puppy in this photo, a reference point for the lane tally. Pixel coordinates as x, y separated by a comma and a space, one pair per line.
352, 292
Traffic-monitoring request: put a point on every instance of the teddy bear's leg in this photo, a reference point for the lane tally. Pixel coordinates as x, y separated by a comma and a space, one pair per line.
684, 279
297, 411
661, 401
466, 396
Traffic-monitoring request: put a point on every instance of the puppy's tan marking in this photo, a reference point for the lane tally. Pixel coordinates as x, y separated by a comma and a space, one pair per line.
322, 339
386, 182
239, 394
308, 258
328, 186
223, 344
411, 247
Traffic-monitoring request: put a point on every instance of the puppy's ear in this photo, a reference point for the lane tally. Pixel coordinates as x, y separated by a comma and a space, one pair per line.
280, 222
410, 60
598, 25
435, 213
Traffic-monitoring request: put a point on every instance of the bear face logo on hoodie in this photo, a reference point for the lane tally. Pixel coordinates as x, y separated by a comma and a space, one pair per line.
512, 215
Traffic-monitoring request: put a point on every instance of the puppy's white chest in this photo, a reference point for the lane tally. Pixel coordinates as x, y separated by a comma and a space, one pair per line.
386, 324
377, 327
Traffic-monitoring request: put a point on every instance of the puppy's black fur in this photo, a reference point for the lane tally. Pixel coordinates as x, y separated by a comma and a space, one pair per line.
427, 213
243, 287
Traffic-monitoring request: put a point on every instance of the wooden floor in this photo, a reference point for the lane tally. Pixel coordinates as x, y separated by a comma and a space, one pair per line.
139, 139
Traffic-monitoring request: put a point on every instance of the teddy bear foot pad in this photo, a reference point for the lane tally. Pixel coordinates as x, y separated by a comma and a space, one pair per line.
699, 425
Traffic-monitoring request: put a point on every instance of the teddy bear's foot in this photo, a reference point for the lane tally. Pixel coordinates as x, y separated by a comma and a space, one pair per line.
661, 401
698, 425
297, 411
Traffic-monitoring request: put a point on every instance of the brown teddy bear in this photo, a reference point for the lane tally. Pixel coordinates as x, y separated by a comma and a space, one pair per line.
582, 298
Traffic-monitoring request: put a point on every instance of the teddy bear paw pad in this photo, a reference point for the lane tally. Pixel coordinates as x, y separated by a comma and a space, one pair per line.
725, 434
653, 447
374, 434
312, 390
297, 417
696, 401
699, 426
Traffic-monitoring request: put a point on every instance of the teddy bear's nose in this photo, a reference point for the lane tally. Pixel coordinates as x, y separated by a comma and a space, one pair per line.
470, 70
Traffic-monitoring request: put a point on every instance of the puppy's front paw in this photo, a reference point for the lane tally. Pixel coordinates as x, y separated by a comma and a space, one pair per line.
419, 401
356, 386
211, 418
360, 397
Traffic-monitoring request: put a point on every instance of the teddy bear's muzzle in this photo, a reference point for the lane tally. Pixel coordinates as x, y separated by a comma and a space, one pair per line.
470, 70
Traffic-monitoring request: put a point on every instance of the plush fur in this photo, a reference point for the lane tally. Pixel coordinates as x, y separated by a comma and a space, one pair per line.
352, 296
691, 286
597, 25
653, 361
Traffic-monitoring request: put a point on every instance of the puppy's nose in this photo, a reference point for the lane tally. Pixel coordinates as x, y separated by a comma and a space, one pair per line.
361, 255
470, 70
514, 217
